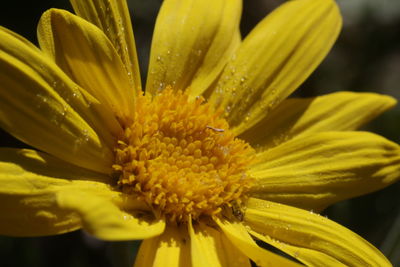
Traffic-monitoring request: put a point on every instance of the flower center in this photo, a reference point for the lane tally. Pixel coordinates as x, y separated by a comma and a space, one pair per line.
180, 157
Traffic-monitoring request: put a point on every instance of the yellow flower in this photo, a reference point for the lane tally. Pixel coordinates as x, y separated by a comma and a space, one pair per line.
197, 166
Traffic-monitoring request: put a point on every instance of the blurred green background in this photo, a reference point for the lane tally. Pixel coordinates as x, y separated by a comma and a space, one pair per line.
365, 58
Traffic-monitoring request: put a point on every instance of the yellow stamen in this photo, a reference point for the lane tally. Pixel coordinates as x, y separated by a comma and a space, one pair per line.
181, 158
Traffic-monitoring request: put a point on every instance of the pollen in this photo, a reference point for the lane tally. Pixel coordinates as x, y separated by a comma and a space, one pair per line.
180, 157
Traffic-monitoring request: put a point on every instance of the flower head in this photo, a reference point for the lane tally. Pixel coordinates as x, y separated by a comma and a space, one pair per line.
210, 157
176, 162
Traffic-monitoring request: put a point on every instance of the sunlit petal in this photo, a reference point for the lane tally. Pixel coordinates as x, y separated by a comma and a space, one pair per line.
105, 220
192, 42
112, 17
209, 247
42, 107
85, 53
238, 235
30, 181
294, 117
317, 170
274, 59
310, 232
172, 248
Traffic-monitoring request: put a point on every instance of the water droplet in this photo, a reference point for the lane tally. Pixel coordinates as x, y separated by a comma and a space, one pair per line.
64, 111
248, 115
41, 99
88, 103
160, 86
128, 217
82, 139
86, 138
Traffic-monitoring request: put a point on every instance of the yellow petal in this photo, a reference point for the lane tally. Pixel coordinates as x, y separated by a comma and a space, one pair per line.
85, 53
29, 182
319, 169
42, 107
303, 229
105, 220
112, 17
235, 257
209, 247
238, 235
19, 37
192, 42
342, 111
169, 249
307, 256
274, 59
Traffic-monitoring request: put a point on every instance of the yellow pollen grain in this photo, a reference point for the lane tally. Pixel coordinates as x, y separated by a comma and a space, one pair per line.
180, 157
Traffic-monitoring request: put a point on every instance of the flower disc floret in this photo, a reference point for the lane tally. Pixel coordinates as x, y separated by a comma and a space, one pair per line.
180, 157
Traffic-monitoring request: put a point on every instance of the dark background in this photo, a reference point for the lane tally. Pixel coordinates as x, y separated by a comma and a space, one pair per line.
365, 58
